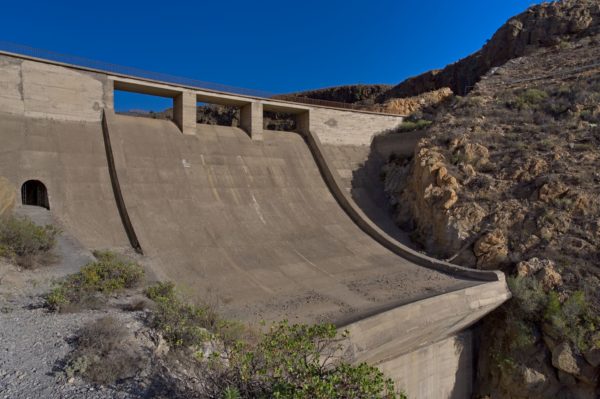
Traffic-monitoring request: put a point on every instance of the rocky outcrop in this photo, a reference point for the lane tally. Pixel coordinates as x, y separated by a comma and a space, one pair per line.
543, 25
351, 94
410, 105
507, 178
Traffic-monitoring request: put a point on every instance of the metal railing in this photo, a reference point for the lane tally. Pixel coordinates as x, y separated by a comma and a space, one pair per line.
100, 66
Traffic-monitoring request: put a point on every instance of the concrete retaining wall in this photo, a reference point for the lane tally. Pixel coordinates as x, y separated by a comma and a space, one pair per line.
419, 344
349, 128
443, 369
38, 90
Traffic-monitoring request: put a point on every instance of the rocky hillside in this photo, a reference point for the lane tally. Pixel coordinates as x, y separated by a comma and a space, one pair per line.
546, 25
508, 178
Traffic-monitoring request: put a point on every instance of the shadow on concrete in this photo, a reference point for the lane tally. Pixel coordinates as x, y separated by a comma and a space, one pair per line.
465, 368
367, 183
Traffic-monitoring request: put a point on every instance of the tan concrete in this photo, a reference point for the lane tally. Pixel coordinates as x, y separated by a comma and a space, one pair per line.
389, 334
7, 196
254, 223
184, 112
70, 159
40, 90
349, 128
251, 119
443, 369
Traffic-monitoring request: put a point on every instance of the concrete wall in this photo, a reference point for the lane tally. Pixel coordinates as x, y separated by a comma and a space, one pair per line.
38, 90
420, 346
443, 369
349, 128
69, 157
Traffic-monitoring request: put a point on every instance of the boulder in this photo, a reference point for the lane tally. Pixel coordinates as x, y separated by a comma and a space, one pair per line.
564, 359
491, 250
552, 190
593, 357
544, 271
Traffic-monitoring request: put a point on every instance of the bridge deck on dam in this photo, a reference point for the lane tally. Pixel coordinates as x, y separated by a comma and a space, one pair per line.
254, 224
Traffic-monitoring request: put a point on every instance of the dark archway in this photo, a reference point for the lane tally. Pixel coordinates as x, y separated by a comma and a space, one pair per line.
34, 192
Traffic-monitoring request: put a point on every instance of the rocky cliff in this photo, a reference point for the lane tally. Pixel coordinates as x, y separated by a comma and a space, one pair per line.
362, 94
545, 25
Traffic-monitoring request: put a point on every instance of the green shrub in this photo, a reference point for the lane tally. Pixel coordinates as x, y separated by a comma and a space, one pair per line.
296, 361
528, 294
409, 126
290, 361
24, 241
572, 319
110, 273
527, 99
182, 324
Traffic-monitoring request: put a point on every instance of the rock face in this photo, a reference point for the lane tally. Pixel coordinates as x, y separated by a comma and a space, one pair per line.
410, 105
7, 196
541, 26
363, 94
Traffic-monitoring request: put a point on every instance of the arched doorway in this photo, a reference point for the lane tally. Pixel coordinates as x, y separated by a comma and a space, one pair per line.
33, 192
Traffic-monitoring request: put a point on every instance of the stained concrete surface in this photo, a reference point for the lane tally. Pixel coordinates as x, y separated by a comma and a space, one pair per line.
254, 224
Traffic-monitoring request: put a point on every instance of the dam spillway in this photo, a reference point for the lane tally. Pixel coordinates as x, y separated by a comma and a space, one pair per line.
254, 217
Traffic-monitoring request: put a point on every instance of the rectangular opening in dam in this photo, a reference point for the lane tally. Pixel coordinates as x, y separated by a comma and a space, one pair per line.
144, 105
280, 121
212, 113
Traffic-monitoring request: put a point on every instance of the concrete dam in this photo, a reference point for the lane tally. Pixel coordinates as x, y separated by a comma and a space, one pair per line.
275, 224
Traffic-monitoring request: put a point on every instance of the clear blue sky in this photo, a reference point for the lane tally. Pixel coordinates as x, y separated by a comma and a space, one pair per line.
276, 46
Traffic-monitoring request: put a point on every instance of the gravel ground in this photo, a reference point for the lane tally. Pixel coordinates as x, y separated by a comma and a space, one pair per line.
33, 341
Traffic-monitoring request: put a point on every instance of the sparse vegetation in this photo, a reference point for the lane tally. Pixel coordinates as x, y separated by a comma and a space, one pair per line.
108, 274
409, 125
25, 243
182, 324
102, 355
297, 361
566, 316
527, 99
289, 361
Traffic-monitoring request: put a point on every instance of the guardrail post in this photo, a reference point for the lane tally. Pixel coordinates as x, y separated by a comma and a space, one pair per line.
251, 119
184, 112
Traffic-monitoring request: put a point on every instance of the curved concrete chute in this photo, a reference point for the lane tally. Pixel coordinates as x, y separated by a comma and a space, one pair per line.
254, 223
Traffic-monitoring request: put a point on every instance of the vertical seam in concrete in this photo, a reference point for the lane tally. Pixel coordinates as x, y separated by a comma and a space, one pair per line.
21, 84
114, 179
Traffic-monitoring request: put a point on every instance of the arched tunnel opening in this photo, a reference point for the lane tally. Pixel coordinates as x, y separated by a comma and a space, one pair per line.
34, 192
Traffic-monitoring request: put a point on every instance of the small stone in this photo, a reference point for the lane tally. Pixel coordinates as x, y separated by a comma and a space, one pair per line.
491, 250
450, 198
564, 359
